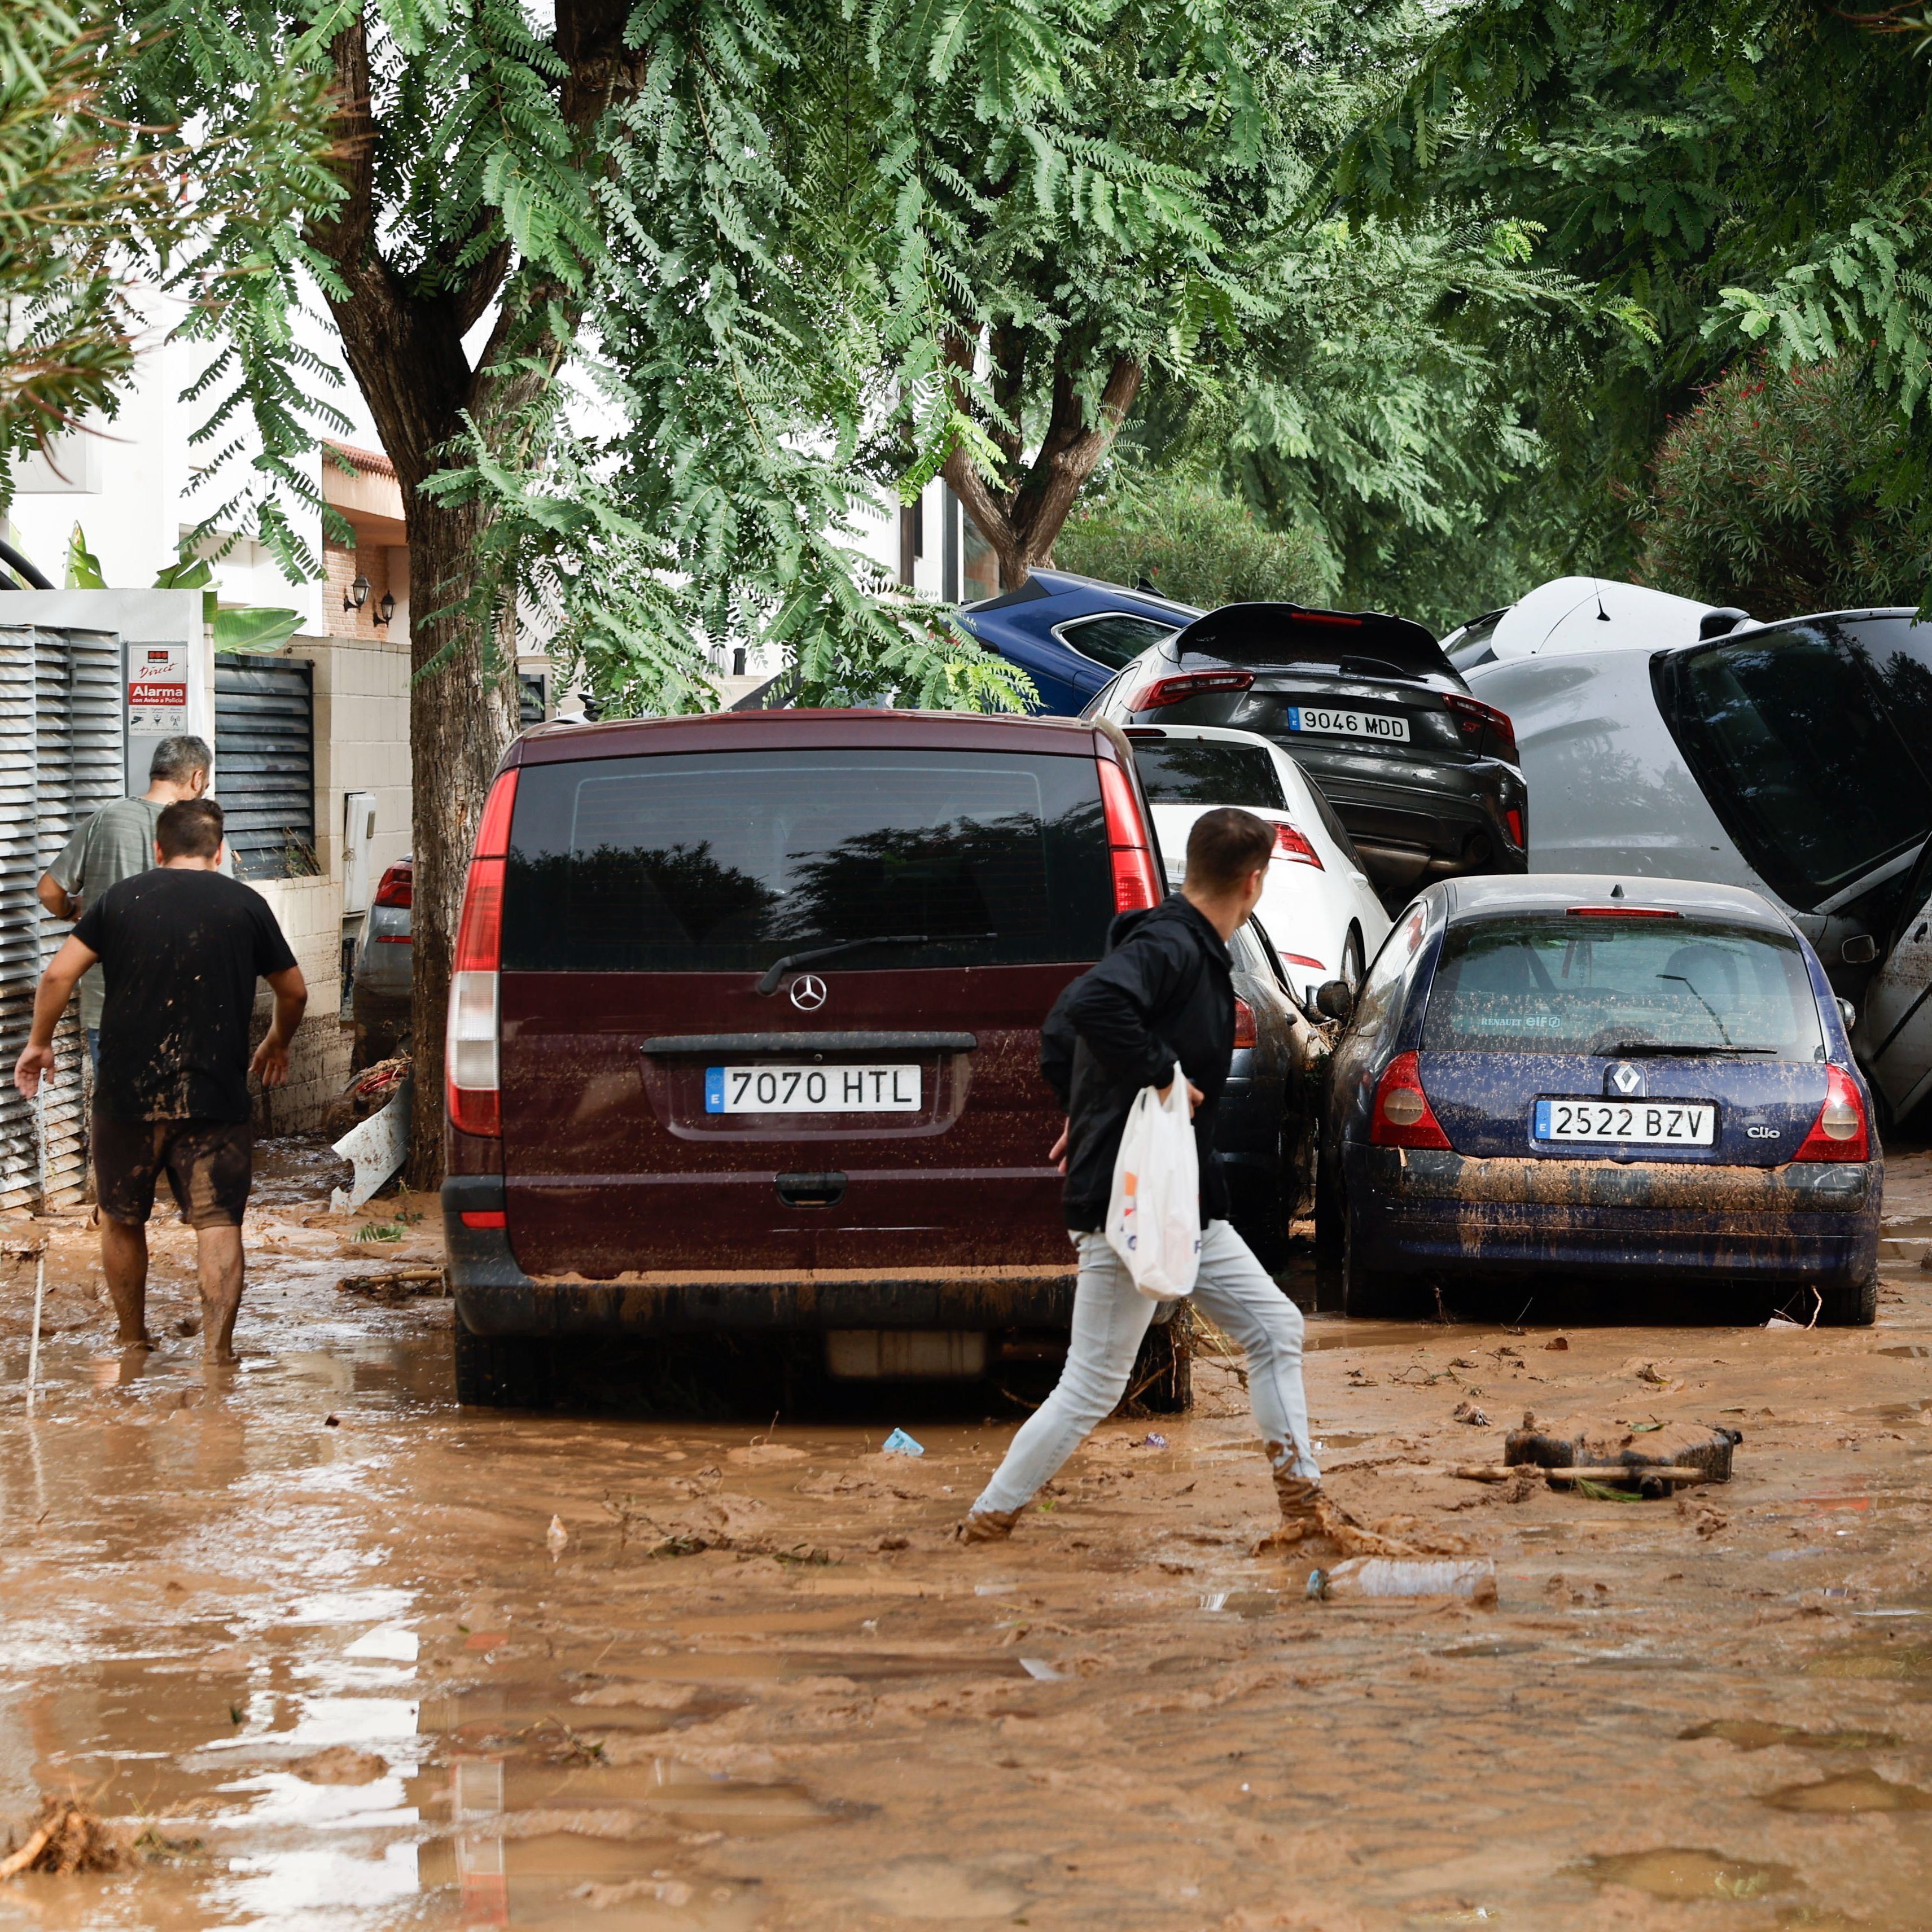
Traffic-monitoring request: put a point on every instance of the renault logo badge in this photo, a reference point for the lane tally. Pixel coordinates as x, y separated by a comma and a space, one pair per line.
807, 992
1626, 1079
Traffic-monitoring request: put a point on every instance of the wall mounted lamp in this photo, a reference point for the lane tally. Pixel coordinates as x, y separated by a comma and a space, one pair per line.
357, 594
386, 609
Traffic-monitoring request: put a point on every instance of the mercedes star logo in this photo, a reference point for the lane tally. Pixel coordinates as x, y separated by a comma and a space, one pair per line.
807, 992
1626, 1078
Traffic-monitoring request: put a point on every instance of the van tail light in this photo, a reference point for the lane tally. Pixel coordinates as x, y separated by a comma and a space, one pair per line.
1244, 1025
1403, 1116
1134, 882
1841, 1131
1484, 727
1290, 844
472, 1061
397, 887
1164, 691
1513, 818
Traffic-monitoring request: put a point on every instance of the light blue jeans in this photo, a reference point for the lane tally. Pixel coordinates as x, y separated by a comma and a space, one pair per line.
1111, 1315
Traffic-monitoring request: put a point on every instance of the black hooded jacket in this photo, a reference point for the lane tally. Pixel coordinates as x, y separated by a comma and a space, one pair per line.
1163, 992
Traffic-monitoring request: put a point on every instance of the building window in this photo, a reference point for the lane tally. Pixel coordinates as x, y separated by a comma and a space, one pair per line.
265, 764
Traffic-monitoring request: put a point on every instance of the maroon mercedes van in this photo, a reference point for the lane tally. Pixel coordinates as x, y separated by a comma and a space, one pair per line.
744, 1033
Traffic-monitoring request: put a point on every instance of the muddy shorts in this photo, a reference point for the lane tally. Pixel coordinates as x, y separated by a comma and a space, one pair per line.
209, 1166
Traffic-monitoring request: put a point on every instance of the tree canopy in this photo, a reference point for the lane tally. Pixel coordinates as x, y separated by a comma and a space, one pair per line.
89, 205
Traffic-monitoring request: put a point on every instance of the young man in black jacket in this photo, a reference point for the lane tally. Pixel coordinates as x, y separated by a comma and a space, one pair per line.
1162, 994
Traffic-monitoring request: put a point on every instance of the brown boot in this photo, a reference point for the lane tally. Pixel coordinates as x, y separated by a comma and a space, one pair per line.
1301, 1522
1317, 1525
985, 1526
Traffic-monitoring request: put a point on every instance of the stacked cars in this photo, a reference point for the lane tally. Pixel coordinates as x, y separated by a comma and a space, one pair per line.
1673, 741
1425, 776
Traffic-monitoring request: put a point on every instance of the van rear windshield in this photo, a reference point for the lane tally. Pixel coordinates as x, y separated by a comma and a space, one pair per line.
1552, 984
725, 861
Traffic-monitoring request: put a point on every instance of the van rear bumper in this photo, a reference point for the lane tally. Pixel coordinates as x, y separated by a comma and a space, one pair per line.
494, 1297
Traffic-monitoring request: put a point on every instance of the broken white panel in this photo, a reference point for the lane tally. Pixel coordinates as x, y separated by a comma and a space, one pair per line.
378, 1146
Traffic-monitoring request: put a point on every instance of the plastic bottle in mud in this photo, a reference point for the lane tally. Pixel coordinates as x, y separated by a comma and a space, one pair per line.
1473, 1577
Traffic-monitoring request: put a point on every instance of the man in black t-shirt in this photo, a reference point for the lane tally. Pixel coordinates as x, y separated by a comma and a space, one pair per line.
180, 948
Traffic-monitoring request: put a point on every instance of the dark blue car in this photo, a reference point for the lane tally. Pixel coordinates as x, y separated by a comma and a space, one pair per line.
1615, 1081
1071, 634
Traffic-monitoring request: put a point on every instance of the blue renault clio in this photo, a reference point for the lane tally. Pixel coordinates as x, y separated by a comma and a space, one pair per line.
1600, 1080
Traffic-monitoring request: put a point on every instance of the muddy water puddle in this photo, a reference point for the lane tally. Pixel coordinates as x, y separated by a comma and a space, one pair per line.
1675, 1872
1753, 1734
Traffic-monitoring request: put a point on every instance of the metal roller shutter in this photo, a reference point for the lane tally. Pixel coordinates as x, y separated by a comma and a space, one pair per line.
19, 910
265, 764
61, 759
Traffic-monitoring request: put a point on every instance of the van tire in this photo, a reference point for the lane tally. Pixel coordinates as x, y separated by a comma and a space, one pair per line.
1371, 1294
1162, 1381
501, 1371
1853, 1305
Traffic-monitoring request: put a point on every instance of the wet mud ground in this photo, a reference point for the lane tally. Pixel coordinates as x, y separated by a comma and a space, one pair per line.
307, 1627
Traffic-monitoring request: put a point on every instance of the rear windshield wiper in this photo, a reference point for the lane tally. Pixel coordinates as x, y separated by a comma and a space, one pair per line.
1651, 1049
779, 968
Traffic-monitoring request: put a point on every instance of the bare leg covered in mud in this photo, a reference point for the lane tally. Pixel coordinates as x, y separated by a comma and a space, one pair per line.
124, 1260
1110, 1317
218, 1253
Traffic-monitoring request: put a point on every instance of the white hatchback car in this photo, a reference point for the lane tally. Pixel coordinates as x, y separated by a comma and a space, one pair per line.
1319, 909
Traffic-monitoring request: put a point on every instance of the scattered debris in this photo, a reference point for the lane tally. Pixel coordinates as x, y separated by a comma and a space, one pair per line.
68, 1836
378, 1146
900, 1444
331, 1422
1648, 1373
1038, 1667
1152, 1440
1783, 1322
400, 1284
1586, 1478
1558, 1342
1594, 1459
1468, 1411
1473, 1577
556, 1537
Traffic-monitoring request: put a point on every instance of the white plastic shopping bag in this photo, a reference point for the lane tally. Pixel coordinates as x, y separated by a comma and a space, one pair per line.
1153, 1219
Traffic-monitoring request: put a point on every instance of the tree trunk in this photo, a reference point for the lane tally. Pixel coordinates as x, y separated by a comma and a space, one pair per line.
1023, 522
460, 720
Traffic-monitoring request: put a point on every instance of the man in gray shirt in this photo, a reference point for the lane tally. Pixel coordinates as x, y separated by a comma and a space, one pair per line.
116, 843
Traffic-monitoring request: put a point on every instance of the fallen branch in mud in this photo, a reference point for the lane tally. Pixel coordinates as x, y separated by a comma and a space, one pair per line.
400, 1285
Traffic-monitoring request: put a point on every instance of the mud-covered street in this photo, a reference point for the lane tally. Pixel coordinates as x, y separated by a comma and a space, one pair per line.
310, 1632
